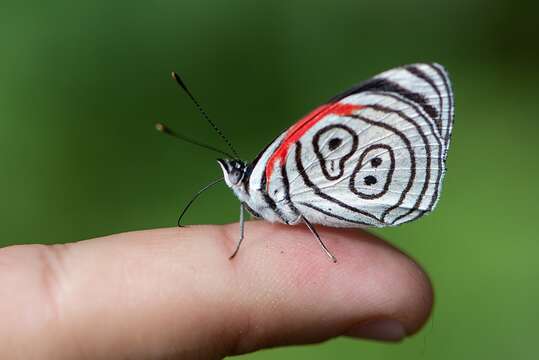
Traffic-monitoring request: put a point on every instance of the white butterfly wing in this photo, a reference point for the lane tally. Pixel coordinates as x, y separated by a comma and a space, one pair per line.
427, 85
379, 164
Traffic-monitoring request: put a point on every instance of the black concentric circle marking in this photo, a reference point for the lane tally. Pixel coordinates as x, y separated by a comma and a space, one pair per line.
334, 142
371, 180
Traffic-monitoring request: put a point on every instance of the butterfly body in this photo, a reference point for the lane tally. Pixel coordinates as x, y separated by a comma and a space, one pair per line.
372, 156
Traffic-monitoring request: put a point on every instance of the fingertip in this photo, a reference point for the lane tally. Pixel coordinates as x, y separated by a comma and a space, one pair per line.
371, 280
378, 329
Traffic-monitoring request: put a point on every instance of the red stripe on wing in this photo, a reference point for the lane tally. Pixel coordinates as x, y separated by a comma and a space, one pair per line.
297, 130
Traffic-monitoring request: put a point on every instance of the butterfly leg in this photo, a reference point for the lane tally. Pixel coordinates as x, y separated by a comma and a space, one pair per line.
242, 227
195, 197
324, 247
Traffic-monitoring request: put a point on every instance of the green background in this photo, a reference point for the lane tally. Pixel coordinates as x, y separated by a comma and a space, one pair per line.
81, 84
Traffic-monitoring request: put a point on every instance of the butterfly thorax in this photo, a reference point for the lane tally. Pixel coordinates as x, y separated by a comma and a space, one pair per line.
237, 176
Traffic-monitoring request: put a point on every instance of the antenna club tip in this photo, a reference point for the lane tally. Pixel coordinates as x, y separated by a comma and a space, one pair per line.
180, 82
159, 127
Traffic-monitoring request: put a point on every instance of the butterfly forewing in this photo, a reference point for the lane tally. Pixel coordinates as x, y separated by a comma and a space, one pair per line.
427, 85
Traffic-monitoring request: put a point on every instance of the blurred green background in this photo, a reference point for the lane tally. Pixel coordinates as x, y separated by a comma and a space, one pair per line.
81, 84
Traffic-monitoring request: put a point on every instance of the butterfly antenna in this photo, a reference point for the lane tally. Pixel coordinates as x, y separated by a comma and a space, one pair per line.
180, 82
214, 182
166, 130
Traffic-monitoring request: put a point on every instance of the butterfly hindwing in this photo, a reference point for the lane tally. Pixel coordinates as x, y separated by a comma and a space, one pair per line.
373, 155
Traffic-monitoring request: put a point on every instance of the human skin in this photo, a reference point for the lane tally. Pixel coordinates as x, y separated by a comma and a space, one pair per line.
174, 294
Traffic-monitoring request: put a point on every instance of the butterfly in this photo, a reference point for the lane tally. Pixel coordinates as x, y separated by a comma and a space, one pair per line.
373, 155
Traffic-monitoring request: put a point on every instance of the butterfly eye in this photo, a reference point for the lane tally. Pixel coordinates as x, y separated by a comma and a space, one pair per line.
236, 174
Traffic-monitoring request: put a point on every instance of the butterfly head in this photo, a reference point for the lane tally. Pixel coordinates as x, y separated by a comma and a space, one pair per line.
233, 171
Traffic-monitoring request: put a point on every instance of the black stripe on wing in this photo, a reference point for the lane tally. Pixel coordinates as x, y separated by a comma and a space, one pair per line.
334, 215
448, 120
427, 85
382, 84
